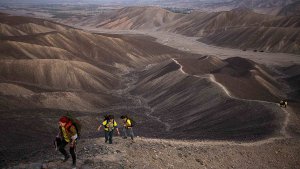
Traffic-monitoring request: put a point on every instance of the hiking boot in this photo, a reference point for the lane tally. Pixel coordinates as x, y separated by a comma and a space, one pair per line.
66, 158
124, 137
73, 166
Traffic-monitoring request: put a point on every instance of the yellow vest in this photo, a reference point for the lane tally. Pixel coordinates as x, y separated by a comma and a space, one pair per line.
65, 135
109, 126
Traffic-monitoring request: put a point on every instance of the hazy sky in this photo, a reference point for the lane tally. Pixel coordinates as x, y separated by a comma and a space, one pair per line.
93, 1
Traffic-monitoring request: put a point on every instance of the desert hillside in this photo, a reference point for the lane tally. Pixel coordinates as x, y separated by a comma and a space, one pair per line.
240, 28
180, 100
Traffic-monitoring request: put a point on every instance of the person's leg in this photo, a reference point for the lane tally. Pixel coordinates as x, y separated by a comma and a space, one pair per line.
131, 133
125, 132
110, 136
63, 151
106, 136
73, 154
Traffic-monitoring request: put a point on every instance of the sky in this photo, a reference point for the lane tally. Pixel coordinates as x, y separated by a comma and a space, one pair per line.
91, 1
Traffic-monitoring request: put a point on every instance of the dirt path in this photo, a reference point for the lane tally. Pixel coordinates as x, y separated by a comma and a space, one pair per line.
285, 123
129, 79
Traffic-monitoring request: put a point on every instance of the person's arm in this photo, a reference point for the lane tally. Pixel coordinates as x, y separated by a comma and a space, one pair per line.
118, 130
74, 136
116, 126
99, 127
59, 133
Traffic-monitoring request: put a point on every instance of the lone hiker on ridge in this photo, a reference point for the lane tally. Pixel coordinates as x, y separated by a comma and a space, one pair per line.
283, 103
68, 135
109, 126
127, 126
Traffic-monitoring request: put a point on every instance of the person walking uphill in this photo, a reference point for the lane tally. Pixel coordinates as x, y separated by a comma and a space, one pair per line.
127, 126
68, 135
109, 126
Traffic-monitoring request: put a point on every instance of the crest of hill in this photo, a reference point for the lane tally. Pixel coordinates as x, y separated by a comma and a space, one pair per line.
6, 30
258, 38
31, 28
208, 110
21, 50
57, 74
140, 18
30, 24
242, 77
12, 89
201, 24
290, 9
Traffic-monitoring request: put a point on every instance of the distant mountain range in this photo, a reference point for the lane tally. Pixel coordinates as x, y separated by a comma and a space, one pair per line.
170, 3
239, 28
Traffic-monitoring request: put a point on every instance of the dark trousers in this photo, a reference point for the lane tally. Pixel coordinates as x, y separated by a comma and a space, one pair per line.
64, 152
108, 136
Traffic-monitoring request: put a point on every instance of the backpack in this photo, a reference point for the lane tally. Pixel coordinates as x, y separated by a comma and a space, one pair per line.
76, 123
107, 125
133, 123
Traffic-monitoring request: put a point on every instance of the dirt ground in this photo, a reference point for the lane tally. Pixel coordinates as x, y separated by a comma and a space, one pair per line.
156, 153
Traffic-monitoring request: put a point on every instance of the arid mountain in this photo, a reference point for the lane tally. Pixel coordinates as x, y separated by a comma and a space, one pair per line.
130, 18
6, 30
48, 70
257, 39
238, 28
251, 79
203, 105
290, 9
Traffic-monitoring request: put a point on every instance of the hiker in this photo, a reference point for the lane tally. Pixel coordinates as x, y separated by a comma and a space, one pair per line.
109, 126
127, 126
68, 135
283, 103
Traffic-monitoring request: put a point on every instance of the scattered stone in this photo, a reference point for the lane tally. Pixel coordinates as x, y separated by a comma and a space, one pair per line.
180, 155
200, 161
88, 161
36, 166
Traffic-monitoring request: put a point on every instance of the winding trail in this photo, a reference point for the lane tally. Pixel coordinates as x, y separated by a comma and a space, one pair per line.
285, 123
129, 78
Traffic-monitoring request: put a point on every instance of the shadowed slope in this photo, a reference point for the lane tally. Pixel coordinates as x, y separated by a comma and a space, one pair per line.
203, 110
242, 77
262, 39
21, 50
6, 30
149, 18
31, 28
58, 74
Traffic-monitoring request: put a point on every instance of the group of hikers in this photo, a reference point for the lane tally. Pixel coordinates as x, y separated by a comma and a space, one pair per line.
69, 132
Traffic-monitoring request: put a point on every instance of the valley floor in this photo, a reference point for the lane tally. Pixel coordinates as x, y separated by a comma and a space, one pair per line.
190, 44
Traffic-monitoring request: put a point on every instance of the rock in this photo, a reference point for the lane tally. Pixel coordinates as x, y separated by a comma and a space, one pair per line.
200, 161
44, 166
180, 155
88, 161
36, 166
